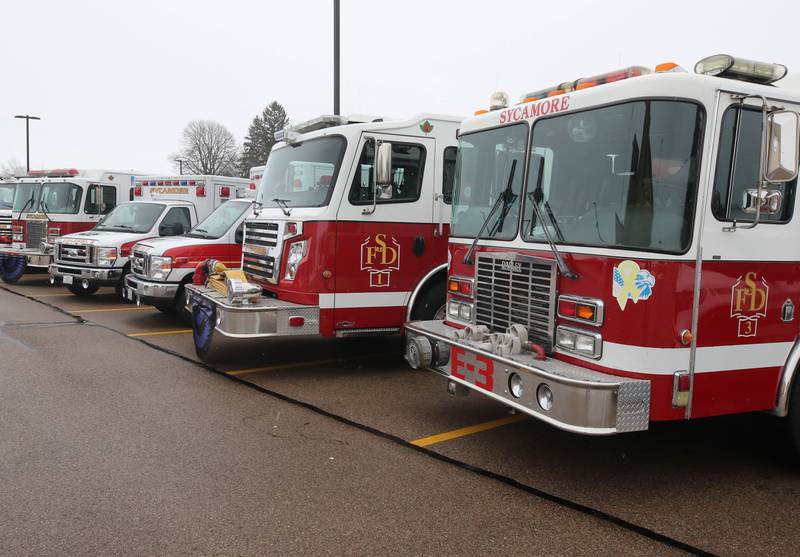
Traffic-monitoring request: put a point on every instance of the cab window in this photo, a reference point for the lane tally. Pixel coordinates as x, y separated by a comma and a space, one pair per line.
100, 200
449, 173
738, 166
179, 215
408, 160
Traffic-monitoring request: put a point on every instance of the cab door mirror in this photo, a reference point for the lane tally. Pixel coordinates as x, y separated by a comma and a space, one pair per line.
170, 229
783, 141
383, 164
238, 236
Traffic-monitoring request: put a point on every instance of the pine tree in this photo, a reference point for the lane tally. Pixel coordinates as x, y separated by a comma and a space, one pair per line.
261, 136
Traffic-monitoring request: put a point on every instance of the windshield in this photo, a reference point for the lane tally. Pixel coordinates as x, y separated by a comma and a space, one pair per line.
131, 217
621, 176
302, 175
26, 196
220, 221
7, 195
488, 180
60, 197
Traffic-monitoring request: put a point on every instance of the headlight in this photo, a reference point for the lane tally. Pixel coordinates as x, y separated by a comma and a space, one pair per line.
296, 253
460, 310
160, 267
577, 341
106, 256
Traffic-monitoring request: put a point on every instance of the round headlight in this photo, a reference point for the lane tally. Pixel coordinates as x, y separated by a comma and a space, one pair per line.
515, 385
544, 395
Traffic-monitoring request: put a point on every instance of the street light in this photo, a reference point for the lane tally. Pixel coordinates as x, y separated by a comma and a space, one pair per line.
336, 57
27, 119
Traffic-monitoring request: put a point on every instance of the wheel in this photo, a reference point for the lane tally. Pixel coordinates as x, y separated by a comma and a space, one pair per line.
431, 304
12, 267
164, 309
120, 286
82, 292
203, 323
793, 418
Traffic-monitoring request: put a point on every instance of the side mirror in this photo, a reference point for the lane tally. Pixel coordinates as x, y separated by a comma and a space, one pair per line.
170, 229
383, 164
771, 201
238, 236
783, 141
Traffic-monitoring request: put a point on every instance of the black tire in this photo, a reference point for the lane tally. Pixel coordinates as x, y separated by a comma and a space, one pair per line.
82, 292
164, 309
179, 307
431, 303
203, 323
793, 419
119, 288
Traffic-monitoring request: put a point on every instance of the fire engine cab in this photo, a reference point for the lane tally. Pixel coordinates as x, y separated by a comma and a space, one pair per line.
349, 235
164, 206
49, 203
623, 250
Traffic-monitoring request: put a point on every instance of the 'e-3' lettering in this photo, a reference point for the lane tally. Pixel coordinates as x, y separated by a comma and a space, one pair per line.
473, 368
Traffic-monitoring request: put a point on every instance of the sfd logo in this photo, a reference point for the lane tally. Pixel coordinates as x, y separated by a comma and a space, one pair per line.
380, 256
749, 296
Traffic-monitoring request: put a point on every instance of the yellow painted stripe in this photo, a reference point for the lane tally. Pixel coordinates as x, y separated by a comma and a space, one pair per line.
89, 310
464, 431
154, 333
297, 364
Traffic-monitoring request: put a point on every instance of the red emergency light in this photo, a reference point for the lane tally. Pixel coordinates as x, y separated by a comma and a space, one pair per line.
200, 191
137, 191
252, 185
224, 191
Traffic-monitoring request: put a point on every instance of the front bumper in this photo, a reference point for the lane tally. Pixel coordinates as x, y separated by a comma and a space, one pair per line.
33, 257
144, 291
266, 317
95, 275
583, 400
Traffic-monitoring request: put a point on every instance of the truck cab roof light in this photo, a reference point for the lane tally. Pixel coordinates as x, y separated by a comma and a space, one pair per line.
585, 83
725, 65
498, 100
481, 111
667, 67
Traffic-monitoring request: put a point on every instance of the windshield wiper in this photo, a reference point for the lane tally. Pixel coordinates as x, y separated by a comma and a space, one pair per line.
536, 196
507, 197
282, 203
43, 205
24, 207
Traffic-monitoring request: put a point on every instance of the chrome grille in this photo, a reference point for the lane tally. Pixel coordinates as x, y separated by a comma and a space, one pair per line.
139, 263
74, 253
35, 232
260, 266
261, 233
5, 225
510, 288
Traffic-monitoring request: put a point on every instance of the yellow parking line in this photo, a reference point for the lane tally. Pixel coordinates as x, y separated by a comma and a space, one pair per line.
89, 310
297, 364
154, 333
464, 431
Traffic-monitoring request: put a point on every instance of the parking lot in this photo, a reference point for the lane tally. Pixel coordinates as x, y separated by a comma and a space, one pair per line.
116, 437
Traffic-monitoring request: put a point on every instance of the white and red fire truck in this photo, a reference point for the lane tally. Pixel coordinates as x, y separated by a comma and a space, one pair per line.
623, 250
7, 189
163, 206
349, 236
50, 203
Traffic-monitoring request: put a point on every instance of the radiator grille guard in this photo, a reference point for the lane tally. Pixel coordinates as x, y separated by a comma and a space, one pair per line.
261, 238
513, 288
35, 233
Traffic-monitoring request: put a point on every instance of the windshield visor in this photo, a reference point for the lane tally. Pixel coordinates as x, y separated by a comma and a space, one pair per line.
302, 175
7, 195
489, 173
220, 221
26, 197
60, 197
622, 176
134, 217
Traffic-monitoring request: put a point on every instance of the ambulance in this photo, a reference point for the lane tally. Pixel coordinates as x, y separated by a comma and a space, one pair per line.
624, 250
51, 203
348, 238
162, 206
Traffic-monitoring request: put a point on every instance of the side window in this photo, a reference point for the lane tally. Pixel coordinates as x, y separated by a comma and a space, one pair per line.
738, 167
100, 200
449, 173
408, 160
179, 215
131, 194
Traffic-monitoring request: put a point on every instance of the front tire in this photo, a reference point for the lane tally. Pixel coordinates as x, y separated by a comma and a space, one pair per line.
120, 286
431, 304
204, 320
12, 267
793, 418
82, 292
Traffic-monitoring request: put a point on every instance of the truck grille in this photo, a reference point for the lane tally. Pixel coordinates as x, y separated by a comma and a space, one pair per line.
261, 233
35, 232
516, 289
260, 266
5, 225
74, 253
139, 263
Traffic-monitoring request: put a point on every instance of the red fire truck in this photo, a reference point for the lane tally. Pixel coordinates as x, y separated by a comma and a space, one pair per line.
349, 237
623, 250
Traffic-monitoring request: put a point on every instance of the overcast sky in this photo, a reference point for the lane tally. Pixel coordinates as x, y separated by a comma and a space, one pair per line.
114, 82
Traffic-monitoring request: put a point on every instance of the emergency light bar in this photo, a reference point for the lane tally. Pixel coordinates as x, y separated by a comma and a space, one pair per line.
292, 133
724, 65
585, 83
55, 173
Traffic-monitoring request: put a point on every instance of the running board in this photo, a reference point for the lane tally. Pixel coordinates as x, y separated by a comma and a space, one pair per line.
383, 331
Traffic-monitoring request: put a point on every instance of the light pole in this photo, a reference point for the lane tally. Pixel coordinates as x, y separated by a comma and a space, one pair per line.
336, 57
180, 165
27, 119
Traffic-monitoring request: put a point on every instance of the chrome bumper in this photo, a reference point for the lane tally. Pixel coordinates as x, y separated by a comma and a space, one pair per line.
33, 257
147, 292
583, 400
266, 317
101, 277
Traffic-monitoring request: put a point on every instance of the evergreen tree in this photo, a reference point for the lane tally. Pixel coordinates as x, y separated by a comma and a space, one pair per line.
261, 136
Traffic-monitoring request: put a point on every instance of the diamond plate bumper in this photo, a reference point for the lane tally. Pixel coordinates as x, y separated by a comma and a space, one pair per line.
583, 401
266, 317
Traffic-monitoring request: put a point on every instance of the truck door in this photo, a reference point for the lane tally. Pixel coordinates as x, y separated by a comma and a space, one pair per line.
384, 247
748, 296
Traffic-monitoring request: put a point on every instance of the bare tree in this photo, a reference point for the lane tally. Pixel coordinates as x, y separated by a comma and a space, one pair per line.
207, 147
12, 167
